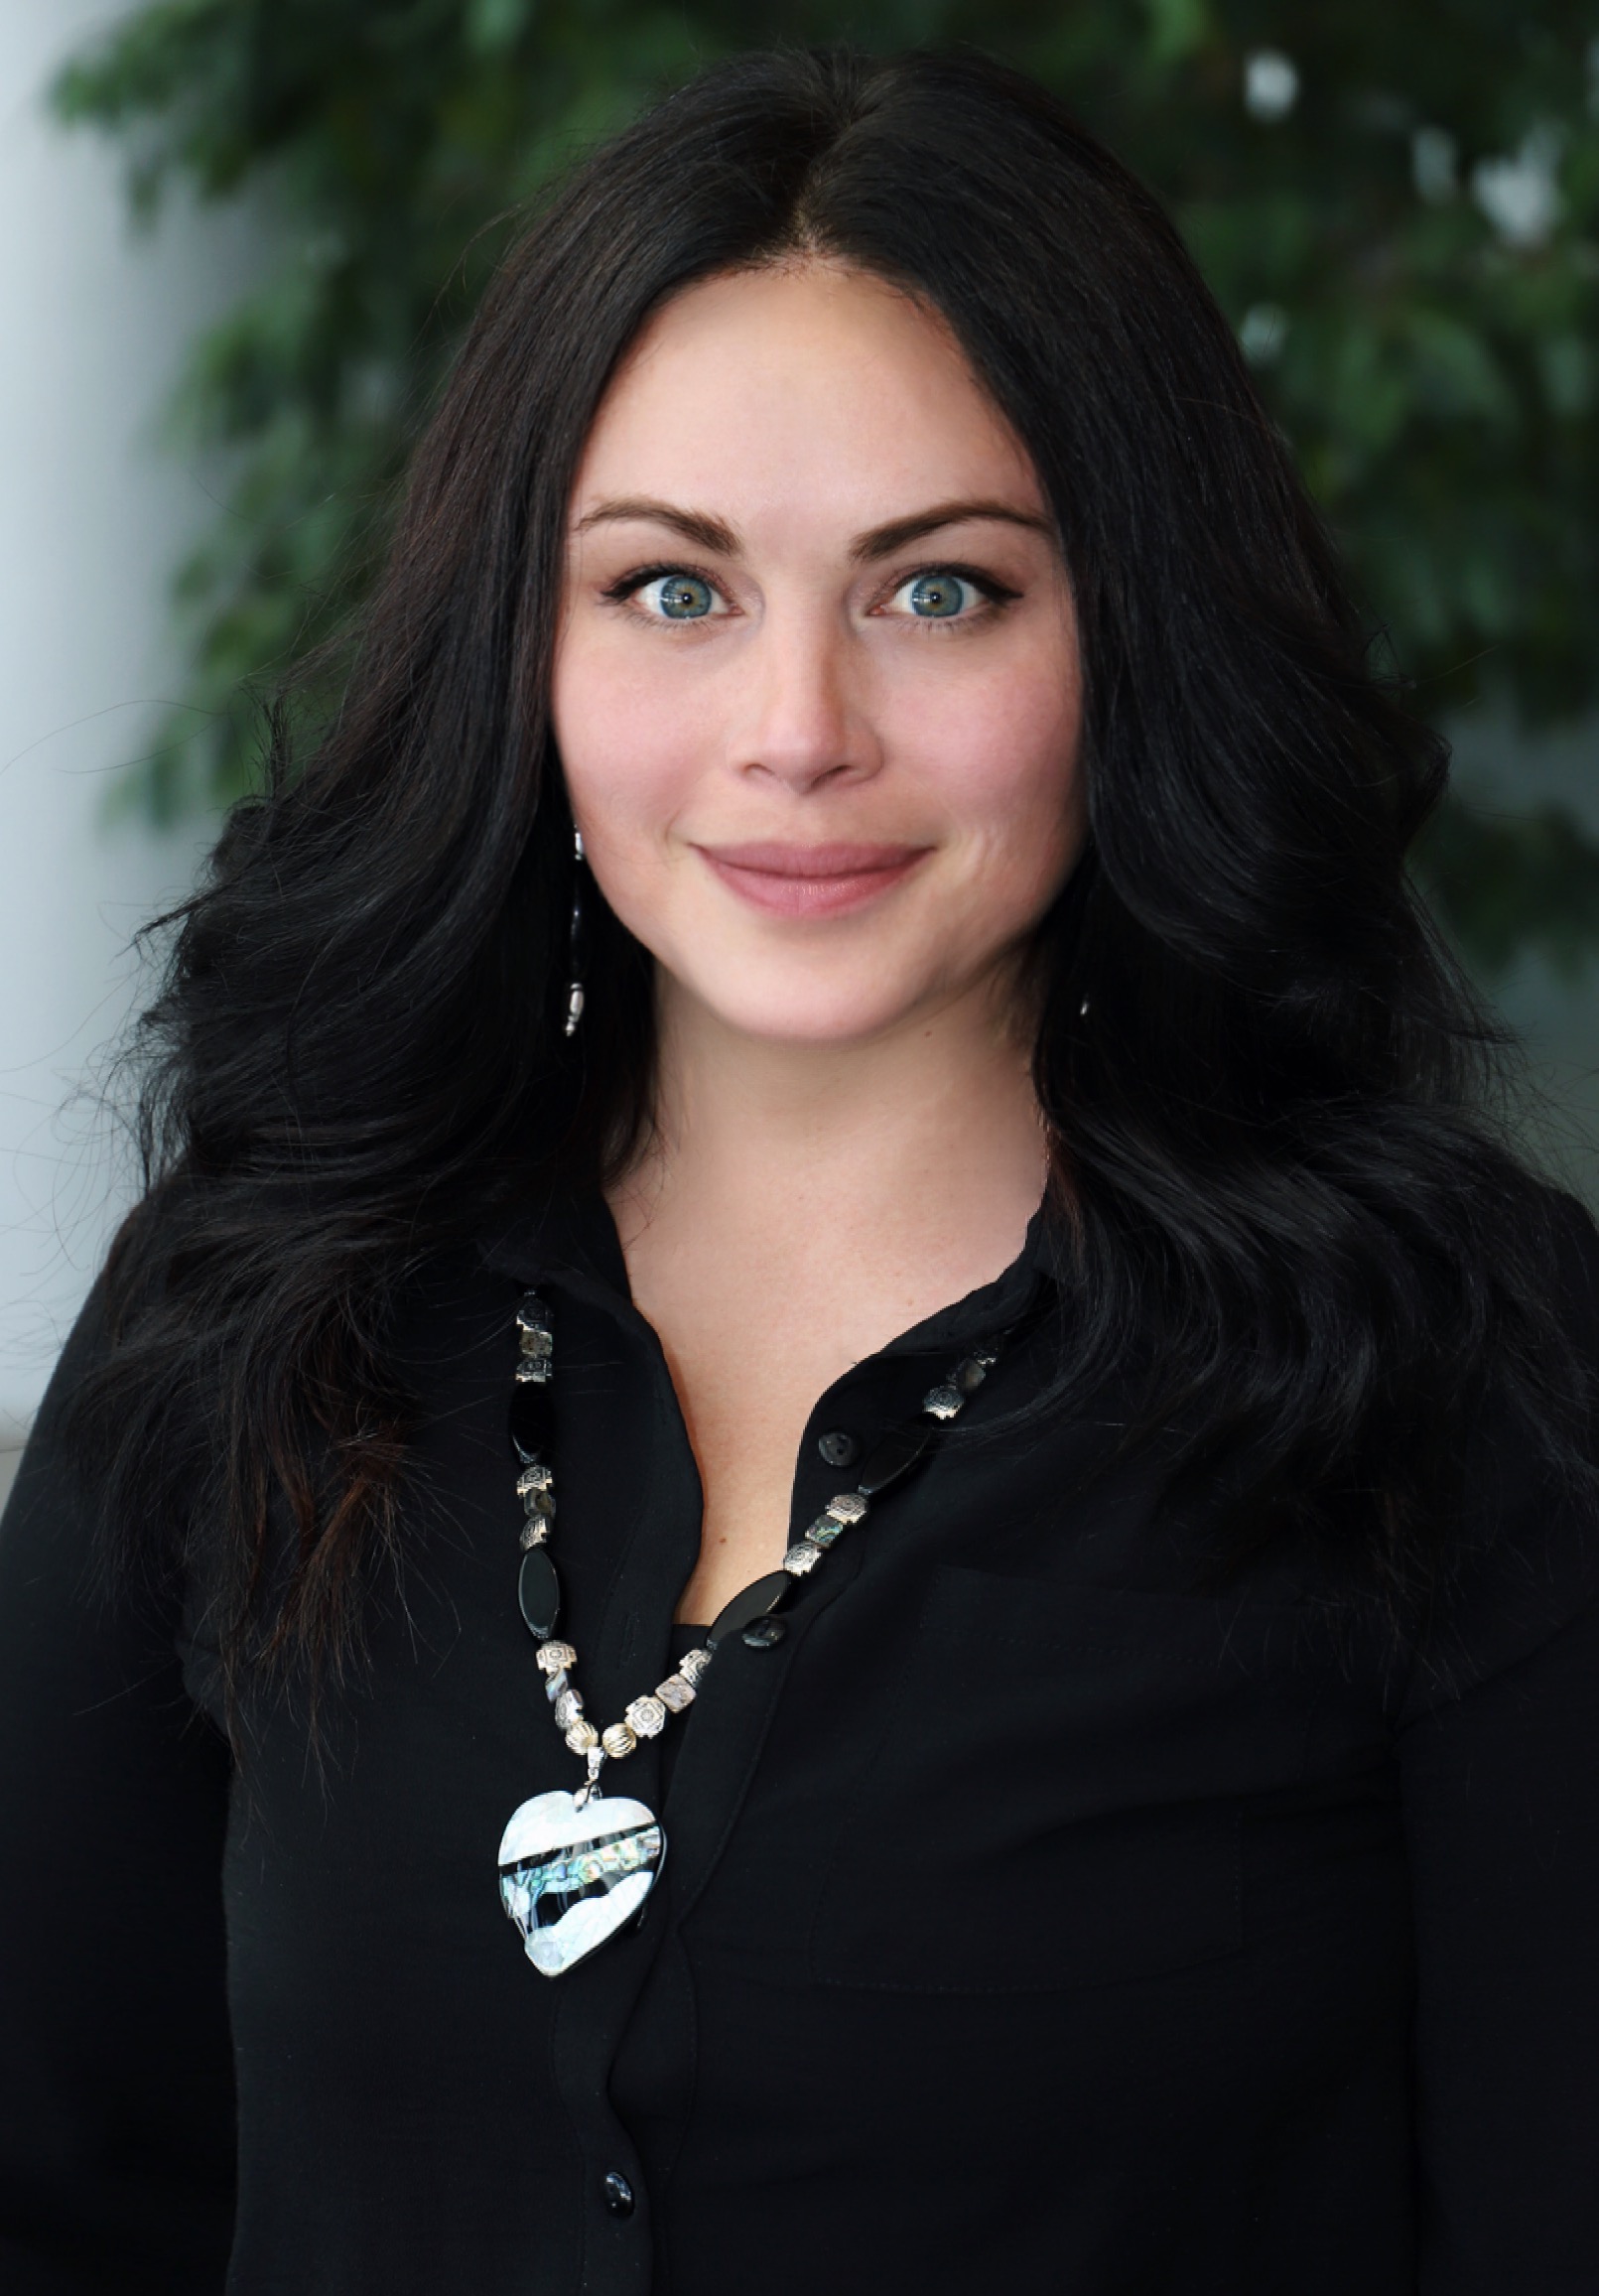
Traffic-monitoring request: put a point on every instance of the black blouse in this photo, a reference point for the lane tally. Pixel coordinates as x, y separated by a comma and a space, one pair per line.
1032, 1917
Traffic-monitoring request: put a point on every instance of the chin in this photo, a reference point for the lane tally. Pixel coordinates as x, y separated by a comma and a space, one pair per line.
808, 1016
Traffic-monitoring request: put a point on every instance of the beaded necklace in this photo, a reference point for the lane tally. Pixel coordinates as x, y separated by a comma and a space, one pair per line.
576, 1868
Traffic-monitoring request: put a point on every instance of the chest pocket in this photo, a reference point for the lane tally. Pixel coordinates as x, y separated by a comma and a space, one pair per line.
1056, 1798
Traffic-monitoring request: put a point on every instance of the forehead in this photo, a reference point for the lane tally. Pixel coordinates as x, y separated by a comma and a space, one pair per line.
811, 388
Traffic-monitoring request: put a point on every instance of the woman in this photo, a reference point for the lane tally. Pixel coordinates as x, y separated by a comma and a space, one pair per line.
1056, 1745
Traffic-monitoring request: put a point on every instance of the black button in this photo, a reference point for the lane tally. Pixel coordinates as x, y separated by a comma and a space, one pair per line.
764, 1633
618, 2194
838, 1448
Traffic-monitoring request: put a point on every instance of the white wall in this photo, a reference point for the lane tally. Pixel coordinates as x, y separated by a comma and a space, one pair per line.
94, 512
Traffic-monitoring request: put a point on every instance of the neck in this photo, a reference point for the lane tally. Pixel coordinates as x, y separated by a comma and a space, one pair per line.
875, 1153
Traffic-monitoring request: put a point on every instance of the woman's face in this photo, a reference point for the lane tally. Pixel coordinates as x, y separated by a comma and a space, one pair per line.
816, 687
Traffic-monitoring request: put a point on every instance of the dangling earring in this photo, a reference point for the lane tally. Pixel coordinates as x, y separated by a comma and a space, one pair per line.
577, 943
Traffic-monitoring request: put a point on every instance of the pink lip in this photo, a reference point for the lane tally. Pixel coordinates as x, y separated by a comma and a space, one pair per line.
810, 880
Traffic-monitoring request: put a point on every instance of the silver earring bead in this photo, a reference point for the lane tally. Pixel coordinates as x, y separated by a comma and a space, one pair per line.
575, 944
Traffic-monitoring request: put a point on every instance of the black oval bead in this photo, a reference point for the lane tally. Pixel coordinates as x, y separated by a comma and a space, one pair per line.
888, 1459
750, 1604
538, 1590
530, 1418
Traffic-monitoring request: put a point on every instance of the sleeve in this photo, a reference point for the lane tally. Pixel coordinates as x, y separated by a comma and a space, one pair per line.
116, 2088
1498, 1753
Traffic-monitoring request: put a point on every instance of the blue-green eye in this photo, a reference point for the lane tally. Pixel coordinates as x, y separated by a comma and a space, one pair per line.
941, 595
679, 596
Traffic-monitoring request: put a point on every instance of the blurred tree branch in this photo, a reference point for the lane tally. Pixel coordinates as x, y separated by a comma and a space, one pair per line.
1399, 209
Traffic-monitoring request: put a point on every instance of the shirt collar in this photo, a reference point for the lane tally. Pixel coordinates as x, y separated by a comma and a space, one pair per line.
572, 1237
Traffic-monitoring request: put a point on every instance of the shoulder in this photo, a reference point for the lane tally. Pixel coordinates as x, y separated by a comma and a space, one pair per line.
71, 1579
1523, 1565
52, 1445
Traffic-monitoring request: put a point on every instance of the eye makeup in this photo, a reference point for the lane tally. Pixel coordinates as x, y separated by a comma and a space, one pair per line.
992, 594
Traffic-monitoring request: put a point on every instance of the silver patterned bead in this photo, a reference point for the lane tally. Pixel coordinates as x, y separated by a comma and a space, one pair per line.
618, 1740
581, 1735
536, 1531
537, 1477
533, 1370
691, 1666
675, 1694
568, 1706
553, 1656
848, 1507
803, 1557
943, 1402
647, 1716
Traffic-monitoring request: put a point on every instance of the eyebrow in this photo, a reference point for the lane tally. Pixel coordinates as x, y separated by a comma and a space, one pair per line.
711, 534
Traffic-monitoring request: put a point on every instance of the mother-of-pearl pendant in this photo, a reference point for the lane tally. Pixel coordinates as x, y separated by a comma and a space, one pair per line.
571, 1877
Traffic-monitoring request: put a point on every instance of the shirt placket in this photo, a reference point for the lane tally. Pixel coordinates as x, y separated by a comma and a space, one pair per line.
715, 1762
724, 1732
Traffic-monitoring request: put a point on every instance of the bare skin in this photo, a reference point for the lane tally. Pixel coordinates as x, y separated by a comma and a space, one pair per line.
757, 653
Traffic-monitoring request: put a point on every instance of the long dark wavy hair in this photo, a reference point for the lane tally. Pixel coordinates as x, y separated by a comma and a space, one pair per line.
1266, 1077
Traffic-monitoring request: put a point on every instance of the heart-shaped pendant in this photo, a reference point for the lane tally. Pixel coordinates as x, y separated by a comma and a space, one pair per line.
571, 1877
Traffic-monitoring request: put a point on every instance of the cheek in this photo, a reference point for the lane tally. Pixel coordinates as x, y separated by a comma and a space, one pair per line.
627, 758
1003, 751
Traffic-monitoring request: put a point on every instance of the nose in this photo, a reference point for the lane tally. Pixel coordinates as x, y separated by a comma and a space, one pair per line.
805, 718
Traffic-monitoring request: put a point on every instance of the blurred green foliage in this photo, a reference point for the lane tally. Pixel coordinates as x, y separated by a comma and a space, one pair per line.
1397, 206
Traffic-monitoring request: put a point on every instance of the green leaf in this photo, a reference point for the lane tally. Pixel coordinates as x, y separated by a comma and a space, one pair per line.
493, 26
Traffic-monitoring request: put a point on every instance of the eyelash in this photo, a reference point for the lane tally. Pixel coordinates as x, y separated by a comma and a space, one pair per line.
993, 593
